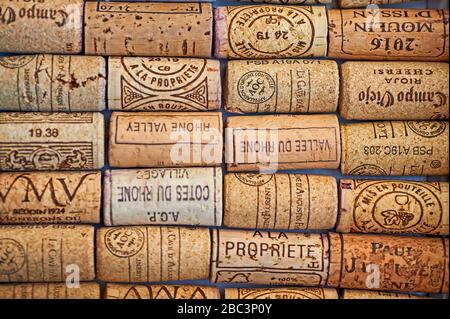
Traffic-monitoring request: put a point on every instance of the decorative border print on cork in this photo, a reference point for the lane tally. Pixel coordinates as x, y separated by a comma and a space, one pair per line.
152, 254
281, 293
148, 29
271, 258
388, 34
393, 206
164, 84
395, 148
52, 83
41, 26
270, 31
51, 253
165, 139
389, 263
51, 141
85, 290
147, 292
50, 197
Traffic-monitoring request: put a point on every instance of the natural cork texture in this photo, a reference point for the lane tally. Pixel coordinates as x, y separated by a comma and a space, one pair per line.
281, 293
388, 34
281, 86
52, 253
368, 294
50, 291
271, 142
287, 1
165, 139
393, 206
51, 141
389, 263
163, 196
395, 148
394, 91
50, 197
148, 29
364, 3
164, 84
270, 31
125, 291
152, 254
281, 201
271, 258
52, 83
41, 26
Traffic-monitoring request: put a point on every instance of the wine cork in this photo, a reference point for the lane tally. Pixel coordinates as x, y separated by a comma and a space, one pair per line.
287, 1
164, 84
125, 291
367, 294
50, 197
59, 83
272, 258
165, 139
281, 201
43, 26
148, 29
271, 142
51, 253
388, 34
85, 290
281, 293
395, 148
394, 91
388, 263
393, 206
364, 3
282, 86
270, 31
51, 141
163, 196
144, 254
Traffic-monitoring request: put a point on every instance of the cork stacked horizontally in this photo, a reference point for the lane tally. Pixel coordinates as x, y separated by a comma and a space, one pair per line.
185, 196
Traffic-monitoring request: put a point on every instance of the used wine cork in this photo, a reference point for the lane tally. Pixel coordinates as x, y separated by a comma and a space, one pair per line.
395, 148
163, 196
282, 201
59, 83
165, 139
281, 293
272, 258
287, 1
144, 254
164, 84
393, 206
125, 291
51, 141
388, 34
85, 290
41, 26
282, 86
51, 253
367, 294
389, 263
270, 31
50, 197
364, 3
394, 91
148, 29
270, 142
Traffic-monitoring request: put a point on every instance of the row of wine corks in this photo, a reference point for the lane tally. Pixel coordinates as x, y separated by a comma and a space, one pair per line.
363, 90
145, 291
257, 31
154, 254
75, 141
193, 196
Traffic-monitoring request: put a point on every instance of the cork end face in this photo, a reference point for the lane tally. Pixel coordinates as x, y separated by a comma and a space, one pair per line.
220, 33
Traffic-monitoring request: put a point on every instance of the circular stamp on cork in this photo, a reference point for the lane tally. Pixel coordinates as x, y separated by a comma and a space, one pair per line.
16, 62
254, 179
427, 129
397, 206
124, 241
368, 169
12, 256
256, 87
270, 31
